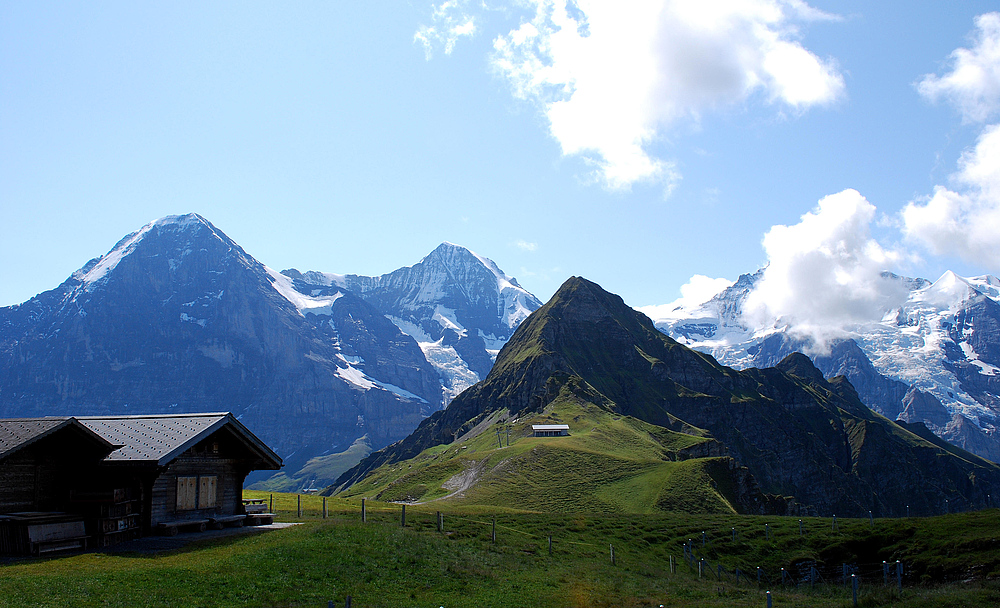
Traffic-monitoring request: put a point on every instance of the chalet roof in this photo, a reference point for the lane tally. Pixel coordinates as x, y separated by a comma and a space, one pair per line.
18, 433
550, 427
159, 439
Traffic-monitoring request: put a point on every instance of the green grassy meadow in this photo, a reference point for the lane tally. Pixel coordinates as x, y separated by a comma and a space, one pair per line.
609, 463
951, 560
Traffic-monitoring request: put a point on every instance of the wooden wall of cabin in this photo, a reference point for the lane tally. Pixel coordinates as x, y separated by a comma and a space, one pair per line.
214, 457
42, 476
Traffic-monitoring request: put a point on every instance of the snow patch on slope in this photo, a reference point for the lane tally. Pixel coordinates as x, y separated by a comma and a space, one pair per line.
453, 371
317, 305
358, 378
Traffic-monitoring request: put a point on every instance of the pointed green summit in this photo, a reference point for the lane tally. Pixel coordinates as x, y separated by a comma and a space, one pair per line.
656, 426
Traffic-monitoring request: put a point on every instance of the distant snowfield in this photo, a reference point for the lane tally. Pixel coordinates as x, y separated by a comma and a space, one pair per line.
907, 344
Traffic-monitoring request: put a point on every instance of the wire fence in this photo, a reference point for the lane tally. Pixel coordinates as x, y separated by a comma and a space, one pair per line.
704, 556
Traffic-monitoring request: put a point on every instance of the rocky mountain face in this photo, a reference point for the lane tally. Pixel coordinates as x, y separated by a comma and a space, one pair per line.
788, 430
178, 318
935, 360
459, 307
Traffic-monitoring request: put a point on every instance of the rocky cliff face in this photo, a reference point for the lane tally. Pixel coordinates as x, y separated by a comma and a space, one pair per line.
178, 318
796, 433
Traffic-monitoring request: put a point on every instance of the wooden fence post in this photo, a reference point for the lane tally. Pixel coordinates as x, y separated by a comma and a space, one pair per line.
800, 528
440, 522
271, 508
299, 497
612, 554
899, 575
854, 588
364, 513
324, 507
402, 517
493, 534
550, 546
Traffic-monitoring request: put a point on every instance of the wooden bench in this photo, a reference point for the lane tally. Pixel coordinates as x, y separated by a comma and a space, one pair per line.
171, 528
259, 519
222, 521
45, 538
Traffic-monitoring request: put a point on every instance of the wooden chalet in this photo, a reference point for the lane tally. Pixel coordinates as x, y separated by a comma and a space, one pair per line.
105, 479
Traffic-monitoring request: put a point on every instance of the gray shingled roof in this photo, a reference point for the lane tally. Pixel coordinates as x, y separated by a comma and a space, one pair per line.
153, 438
17, 433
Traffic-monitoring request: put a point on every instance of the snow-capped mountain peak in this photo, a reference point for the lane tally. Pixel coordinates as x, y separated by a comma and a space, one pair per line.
459, 306
942, 341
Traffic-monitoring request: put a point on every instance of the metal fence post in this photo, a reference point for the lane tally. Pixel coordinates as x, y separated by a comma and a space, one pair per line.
854, 588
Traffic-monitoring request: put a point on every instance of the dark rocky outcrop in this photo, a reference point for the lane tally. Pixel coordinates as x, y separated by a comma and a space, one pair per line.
844, 358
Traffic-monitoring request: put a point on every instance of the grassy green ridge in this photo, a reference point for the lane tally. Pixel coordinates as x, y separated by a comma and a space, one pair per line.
609, 463
381, 564
318, 472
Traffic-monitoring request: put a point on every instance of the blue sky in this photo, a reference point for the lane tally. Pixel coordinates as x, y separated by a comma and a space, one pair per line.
633, 148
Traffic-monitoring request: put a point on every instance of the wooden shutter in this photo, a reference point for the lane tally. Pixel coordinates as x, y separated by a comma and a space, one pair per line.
207, 491
187, 488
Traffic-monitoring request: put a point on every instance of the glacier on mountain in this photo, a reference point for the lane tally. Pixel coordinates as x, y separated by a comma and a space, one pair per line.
929, 343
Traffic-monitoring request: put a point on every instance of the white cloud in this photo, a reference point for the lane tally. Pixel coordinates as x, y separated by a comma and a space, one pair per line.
450, 21
698, 290
973, 84
526, 246
824, 273
612, 77
966, 223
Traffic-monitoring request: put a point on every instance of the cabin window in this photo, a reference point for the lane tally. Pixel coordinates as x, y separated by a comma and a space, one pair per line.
197, 492
207, 491
187, 489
